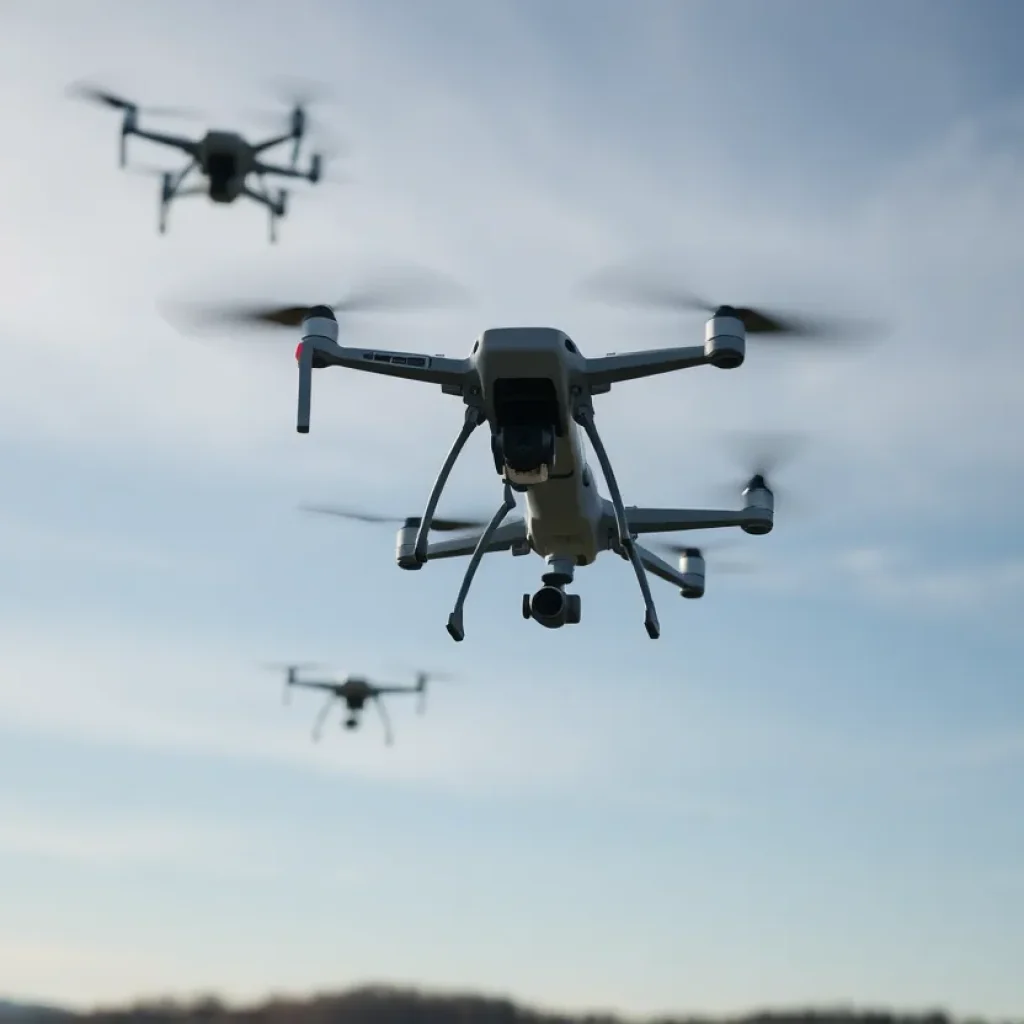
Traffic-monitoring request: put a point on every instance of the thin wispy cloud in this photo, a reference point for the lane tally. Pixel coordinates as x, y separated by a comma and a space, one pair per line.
897, 581
113, 844
33, 544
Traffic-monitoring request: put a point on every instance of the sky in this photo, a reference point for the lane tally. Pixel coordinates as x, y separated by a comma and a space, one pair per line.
807, 791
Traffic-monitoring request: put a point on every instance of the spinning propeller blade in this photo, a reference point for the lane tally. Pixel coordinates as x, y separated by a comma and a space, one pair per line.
439, 524
297, 91
290, 668
622, 286
95, 94
701, 550
393, 290
297, 95
423, 677
764, 453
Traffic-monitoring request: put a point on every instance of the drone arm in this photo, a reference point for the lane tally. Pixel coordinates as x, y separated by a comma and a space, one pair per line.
603, 371
277, 140
260, 197
668, 520
286, 172
449, 373
172, 189
189, 146
310, 684
504, 537
657, 566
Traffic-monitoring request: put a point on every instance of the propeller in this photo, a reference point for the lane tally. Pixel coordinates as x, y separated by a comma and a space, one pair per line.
299, 91
764, 453
440, 524
298, 94
393, 290
701, 550
290, 668
329, 156
95, 94
623, 286
422, 678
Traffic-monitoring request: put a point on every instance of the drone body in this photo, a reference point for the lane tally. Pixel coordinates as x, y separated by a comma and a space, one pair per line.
225, 159
534, 389
354, 692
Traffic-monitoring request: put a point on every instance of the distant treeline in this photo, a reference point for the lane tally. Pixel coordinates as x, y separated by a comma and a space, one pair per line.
390, 1005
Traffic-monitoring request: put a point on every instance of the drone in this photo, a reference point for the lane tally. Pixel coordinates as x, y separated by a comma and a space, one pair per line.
224, 158
535, 390
355, 691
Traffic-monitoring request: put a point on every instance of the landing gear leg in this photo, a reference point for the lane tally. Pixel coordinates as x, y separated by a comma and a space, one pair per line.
474, 417
389, 737
318, 724
170, 188
455, 629
584, 415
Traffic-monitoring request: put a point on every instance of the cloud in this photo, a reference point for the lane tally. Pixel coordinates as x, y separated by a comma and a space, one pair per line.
115, 842
33, 543
898, 581
999, 746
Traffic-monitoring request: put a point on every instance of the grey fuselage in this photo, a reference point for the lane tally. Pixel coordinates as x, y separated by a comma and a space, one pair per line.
527, 375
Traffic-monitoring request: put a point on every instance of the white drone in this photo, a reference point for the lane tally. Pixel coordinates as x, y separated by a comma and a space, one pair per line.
354, 692
534, 389
225, 158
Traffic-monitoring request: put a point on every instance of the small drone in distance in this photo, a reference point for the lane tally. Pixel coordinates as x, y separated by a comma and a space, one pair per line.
226, 159
354, 692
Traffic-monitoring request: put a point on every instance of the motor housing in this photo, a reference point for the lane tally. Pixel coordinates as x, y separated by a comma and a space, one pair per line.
725, 340
320, 323
405, 544
692, 568
759, 502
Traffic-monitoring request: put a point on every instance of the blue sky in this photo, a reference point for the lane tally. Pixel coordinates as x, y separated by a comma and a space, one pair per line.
808, 791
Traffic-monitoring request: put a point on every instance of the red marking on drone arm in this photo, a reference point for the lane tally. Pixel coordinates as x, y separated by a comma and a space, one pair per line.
298, 351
